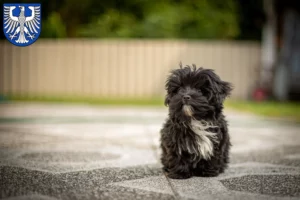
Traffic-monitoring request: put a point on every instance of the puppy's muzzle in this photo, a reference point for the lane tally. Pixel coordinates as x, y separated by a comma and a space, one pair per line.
186, 98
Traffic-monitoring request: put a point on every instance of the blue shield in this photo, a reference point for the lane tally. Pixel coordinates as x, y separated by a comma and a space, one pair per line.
22, 23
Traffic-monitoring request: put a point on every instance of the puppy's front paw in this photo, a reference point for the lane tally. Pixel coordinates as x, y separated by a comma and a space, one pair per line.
208, 173
179, 175
165, 169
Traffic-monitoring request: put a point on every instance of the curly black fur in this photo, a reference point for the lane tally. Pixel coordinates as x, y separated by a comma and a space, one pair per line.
195, 139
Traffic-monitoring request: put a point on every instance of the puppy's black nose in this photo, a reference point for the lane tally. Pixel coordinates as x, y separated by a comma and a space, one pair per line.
186, 97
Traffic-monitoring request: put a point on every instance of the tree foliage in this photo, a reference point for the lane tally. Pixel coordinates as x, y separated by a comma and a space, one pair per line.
166, 19
195, 19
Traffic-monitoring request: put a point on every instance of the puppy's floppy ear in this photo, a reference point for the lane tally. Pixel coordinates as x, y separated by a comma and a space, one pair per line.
223, 90
167, 100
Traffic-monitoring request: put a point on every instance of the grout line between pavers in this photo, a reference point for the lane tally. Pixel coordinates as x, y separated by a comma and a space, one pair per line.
175, 193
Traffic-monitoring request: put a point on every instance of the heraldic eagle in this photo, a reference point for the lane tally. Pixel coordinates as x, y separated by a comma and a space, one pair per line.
21, 24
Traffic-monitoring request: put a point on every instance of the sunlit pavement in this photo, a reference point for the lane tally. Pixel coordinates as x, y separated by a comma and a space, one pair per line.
50, 151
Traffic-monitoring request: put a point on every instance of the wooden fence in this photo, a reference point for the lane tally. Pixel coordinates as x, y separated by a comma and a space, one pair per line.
120, 68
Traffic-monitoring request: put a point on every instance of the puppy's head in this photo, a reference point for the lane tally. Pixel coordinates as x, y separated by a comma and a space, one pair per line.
195, 93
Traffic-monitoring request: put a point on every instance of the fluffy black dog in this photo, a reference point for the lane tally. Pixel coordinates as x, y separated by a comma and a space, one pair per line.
195, 139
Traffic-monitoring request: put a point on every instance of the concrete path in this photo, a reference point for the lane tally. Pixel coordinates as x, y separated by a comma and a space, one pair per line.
85, 152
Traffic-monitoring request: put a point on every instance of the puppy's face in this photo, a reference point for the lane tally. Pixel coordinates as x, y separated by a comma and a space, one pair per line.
196, 93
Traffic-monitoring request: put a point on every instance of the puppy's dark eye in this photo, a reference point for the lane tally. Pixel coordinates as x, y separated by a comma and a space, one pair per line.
174, 90
199, 91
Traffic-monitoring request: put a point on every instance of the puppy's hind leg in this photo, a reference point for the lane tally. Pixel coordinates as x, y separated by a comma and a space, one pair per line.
179, 169
207, 169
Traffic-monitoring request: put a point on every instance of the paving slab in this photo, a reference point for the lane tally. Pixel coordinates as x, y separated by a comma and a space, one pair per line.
31, 197
61, 151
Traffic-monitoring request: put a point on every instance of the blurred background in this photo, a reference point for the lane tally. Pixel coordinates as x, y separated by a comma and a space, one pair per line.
120, 52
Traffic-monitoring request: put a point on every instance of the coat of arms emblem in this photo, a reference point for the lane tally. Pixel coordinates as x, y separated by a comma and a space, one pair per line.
22, 23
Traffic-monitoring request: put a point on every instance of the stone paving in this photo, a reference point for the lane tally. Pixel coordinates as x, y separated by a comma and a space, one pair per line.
52, 152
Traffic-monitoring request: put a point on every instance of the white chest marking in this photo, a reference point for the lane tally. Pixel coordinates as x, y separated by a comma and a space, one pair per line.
203, 146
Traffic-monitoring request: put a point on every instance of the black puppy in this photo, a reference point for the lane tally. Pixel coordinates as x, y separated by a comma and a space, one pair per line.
195, 139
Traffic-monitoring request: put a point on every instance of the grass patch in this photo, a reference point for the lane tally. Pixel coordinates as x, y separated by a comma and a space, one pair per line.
269, 109
289, 110
158, 101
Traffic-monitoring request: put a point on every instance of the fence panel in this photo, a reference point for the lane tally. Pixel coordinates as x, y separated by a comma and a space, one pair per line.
120, 68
